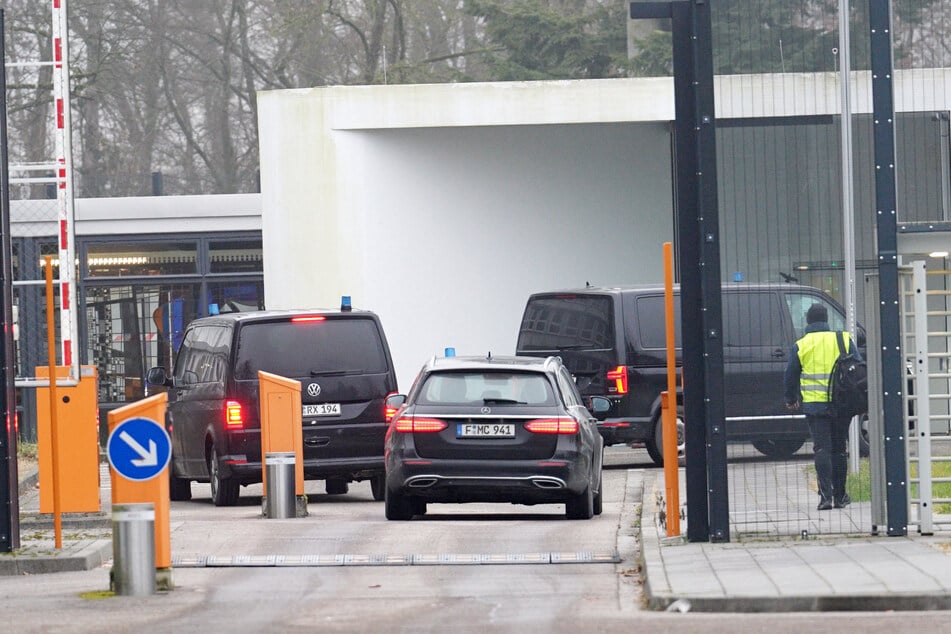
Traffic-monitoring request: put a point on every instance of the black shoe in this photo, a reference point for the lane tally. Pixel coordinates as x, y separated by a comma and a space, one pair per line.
824, 505
842, 502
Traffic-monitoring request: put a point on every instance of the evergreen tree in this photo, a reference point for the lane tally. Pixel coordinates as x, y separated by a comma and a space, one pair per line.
535, 40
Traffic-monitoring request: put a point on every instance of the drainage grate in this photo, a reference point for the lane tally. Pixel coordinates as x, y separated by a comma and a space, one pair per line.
441, 559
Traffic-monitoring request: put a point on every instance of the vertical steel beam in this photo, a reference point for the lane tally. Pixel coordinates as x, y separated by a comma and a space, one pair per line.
883, 128
698, 250
708, 222
9, 479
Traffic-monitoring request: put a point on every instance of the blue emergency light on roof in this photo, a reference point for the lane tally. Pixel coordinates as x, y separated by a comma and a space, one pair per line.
449, 352
213, 309
345, 303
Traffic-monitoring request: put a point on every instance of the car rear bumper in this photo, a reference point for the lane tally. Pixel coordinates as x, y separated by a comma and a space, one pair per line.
617, 431
349, 468
740, 429
487, 481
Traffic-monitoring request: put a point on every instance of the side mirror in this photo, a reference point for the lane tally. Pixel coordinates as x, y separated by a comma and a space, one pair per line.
393, 403
157, 376
599, 405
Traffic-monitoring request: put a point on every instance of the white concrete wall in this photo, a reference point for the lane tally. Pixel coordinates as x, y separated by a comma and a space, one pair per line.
444, 231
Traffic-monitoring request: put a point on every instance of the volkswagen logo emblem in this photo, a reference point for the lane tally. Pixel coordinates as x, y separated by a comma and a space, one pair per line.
486, 410
313, 389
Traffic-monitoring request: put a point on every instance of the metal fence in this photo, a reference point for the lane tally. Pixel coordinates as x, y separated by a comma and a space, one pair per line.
787, 192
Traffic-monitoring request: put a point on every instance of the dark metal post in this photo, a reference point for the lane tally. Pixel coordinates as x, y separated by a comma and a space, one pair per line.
9, 478
708, 264
699, 264
883, 122
157, 184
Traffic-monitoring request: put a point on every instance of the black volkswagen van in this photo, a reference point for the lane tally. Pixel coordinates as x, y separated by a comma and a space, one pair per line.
342, 361
613, 341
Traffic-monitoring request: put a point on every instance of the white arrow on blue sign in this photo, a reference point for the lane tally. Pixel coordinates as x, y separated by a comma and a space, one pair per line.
139, 448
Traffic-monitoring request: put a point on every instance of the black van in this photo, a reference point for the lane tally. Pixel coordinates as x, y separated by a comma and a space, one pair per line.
342, 361
613, 340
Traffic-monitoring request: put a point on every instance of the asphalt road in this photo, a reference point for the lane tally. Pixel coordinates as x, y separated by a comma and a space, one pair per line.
400, 597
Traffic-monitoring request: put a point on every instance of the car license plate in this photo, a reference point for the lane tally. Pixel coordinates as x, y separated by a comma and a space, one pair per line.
322, 409
485, 430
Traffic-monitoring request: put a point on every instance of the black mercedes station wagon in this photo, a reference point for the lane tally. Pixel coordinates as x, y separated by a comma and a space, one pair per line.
343, 363
493, 429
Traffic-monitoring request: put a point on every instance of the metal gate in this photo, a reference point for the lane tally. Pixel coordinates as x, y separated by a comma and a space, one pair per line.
926, 349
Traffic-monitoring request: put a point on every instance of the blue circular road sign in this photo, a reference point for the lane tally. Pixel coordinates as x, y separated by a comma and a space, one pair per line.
139, 448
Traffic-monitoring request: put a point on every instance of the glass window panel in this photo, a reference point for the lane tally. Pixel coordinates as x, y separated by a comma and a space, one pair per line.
126, 259
235, 297
236, 256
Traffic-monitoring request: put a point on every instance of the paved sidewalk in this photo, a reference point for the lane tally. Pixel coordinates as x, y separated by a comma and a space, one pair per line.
86, 537
815, 574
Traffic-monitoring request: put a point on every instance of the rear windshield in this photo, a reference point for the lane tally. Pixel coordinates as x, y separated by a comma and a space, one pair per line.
310, 348
465, 388
567, 322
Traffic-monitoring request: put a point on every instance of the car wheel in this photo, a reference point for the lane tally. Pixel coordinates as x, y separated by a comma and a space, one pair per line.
655, 446
179, 489
224, 491
598, 502
864, 448
419, 506
397, 507
781, 448
378, 487
581, 507
336, 486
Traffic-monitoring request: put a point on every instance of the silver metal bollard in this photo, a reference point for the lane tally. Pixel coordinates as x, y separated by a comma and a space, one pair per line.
280, 496
133, 549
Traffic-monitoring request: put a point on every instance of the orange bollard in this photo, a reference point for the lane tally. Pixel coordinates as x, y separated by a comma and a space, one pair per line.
77, 443
281, 423
155, 489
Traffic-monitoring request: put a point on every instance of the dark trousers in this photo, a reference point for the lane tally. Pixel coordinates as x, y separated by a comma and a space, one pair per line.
829, 437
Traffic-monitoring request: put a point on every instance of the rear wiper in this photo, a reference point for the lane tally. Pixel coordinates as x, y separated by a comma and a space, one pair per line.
335, 372
502, 401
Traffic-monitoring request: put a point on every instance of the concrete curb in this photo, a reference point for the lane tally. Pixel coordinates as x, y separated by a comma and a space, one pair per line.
41, 557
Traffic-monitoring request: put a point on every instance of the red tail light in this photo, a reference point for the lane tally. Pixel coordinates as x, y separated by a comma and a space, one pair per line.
619, 376
234, 418
413, 424
388, 410
308, 318
552, 426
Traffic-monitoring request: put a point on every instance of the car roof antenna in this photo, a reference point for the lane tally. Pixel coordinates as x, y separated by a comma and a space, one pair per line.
489, 356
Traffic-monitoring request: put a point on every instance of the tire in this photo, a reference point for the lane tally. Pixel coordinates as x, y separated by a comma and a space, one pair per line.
581, 507
378, 487
598, 506
224, 491
336, 486
397, 507
179, 489
419, 506
655, 446
782, 448
864, 447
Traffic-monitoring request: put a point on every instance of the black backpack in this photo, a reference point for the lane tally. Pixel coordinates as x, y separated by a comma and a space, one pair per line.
848, 383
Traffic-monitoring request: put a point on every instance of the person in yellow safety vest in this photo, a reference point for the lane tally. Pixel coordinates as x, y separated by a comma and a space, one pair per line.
807, 386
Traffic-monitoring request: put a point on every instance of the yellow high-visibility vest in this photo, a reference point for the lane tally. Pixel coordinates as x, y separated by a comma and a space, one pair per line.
817, 354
